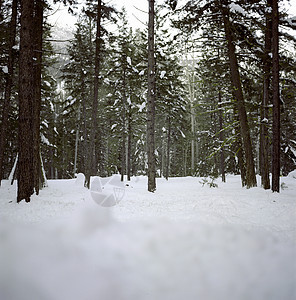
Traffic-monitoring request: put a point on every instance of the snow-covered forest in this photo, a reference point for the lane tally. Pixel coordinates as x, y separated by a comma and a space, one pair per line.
148, 163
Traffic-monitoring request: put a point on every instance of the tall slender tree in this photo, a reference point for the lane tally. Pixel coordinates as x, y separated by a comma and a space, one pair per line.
240, 103
276, 99
8, 83
264, 138
151, 101
38, 33
91, 170
221, 137
26, 96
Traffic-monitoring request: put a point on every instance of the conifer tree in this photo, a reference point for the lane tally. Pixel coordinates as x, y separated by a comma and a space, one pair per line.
276, 99
264, 137
8, 83
151, 101
26, 96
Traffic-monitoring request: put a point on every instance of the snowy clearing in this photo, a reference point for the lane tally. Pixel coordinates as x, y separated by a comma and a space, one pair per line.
185, 241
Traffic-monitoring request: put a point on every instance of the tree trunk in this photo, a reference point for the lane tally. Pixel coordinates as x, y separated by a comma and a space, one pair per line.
76, 141
123, 157
129, 147
91, 170
8, 85
191, 91
264, 139
26, 96
38, 32
85, 165
167, 171
276, 99
124, 103
240, 103
151, 101
185, 159
221, 136
162, 155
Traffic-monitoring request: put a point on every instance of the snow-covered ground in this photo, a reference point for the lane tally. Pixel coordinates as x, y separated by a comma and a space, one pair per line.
185, 241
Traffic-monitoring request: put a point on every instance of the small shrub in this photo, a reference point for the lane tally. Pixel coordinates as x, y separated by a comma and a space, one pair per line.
209, 181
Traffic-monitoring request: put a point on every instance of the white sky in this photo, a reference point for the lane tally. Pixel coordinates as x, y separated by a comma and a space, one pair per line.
134, 8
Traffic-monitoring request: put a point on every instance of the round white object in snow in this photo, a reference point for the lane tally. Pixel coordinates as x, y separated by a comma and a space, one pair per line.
107, 192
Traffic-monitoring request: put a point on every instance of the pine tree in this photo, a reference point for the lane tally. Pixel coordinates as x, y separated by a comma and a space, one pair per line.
91, 163
126, 85
238, 92
276, 99
99, 11
8, 84
38, 27
264, 138
171, 123
151, 101
26, 96
78, 77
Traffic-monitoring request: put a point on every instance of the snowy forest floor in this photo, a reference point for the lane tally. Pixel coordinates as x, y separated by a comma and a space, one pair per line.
185, 241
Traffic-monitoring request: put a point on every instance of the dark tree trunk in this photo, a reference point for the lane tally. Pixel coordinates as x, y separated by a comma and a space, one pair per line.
241, 161
92, 167
264, 139
276, 99
221, 136
151, 101
167, 167
8, 85
240, 103
84, 146
38, 32
26, 96
77, 141
129, 147
123, 157
124, 102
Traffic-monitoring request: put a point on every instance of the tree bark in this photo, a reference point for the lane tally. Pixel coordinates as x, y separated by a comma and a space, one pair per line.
191, 90
123, 157
26, 96
264, 138
124, 104
8, 85
91, 170
129, 146
38, 32
76, 141
240, 103
167, 165
276, 99
221, 136
151, 101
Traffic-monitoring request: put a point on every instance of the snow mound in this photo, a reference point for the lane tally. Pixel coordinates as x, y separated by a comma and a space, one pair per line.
292, 174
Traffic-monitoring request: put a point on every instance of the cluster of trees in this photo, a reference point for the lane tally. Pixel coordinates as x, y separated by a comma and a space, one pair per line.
203, 94
247, 74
